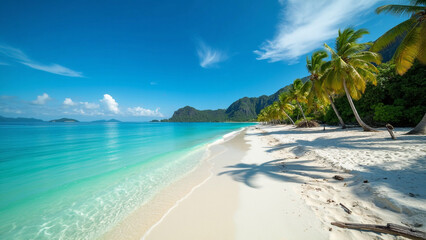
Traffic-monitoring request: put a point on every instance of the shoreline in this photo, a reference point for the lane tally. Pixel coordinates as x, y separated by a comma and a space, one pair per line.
137, 224
276, 182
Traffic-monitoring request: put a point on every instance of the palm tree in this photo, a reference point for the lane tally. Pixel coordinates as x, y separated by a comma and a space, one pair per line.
412, 32
285, 105
316, 66
276, 112
413, 44
299, 92
351, 68
420, 128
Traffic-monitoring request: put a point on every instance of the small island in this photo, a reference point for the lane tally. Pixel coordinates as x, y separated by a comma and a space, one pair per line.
102, 121
68, 120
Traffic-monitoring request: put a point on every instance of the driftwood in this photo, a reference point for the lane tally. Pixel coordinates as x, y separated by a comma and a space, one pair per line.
337, 177
390, 228
390, 130
345, 208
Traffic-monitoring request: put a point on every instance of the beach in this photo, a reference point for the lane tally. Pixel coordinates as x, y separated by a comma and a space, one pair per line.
276, 182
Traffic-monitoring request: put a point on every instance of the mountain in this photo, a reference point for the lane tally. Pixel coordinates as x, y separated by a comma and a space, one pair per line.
243, 110
247, 109
190, 114
6, 119
101, 121
64, 120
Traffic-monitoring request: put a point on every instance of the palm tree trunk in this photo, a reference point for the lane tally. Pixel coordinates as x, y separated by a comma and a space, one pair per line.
303, 114
288, 117
420, 129
357, 117
337, 112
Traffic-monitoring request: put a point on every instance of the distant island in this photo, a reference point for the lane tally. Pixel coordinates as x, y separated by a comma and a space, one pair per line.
102, 121
64, 120
6, 119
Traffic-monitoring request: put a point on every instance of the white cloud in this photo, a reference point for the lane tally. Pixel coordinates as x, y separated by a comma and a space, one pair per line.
69, 102
307, 24
88, 105
110, 103
208, 56
143, 112
19, 56
54, 68
42, 99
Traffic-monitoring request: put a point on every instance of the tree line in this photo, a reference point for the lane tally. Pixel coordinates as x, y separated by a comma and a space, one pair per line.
350, 67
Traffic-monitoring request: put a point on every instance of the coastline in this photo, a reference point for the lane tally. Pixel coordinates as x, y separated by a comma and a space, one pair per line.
276, 182
146, 217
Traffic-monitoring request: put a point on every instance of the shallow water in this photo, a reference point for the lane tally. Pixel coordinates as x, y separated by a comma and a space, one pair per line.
76, 180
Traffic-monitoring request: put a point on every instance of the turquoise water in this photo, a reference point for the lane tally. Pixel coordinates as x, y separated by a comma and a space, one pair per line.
76, 180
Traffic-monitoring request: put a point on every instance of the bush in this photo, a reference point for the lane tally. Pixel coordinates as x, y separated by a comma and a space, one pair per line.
388, 113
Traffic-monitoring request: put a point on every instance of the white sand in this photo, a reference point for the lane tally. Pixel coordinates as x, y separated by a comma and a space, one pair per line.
247, 197
395, 171
276, 182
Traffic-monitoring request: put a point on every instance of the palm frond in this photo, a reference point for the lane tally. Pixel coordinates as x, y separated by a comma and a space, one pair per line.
306, 88
422, 50
343, 37
400, 9
368, 56
328, 48
367, 75
320, 54
351, 48
325, 66
390, 36
357, 35
408, 50
418, 2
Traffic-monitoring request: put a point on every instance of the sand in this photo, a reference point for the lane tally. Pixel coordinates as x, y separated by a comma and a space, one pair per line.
276, 182
384, 178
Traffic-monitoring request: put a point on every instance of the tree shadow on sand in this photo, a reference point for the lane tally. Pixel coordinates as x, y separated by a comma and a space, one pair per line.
275, 169
350, 142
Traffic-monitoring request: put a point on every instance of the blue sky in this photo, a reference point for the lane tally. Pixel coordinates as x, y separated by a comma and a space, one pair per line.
141, 60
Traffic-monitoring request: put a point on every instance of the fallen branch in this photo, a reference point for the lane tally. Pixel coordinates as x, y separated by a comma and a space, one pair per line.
345, 208
390, 129
390, 228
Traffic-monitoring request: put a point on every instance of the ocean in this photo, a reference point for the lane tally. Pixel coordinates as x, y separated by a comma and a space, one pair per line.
77, 180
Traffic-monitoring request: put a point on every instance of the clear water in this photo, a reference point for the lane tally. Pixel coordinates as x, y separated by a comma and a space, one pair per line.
76, 180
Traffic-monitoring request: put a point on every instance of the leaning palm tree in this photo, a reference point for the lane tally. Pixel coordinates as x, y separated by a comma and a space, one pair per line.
285, 105
316, 67
299, 92
412, 32
351, 68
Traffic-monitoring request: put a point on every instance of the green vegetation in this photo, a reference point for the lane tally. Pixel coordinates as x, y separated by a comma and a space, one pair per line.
351, 68
412, 32
299, 92
64, 120
190, 114
374, 93
353, 86
398, 100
